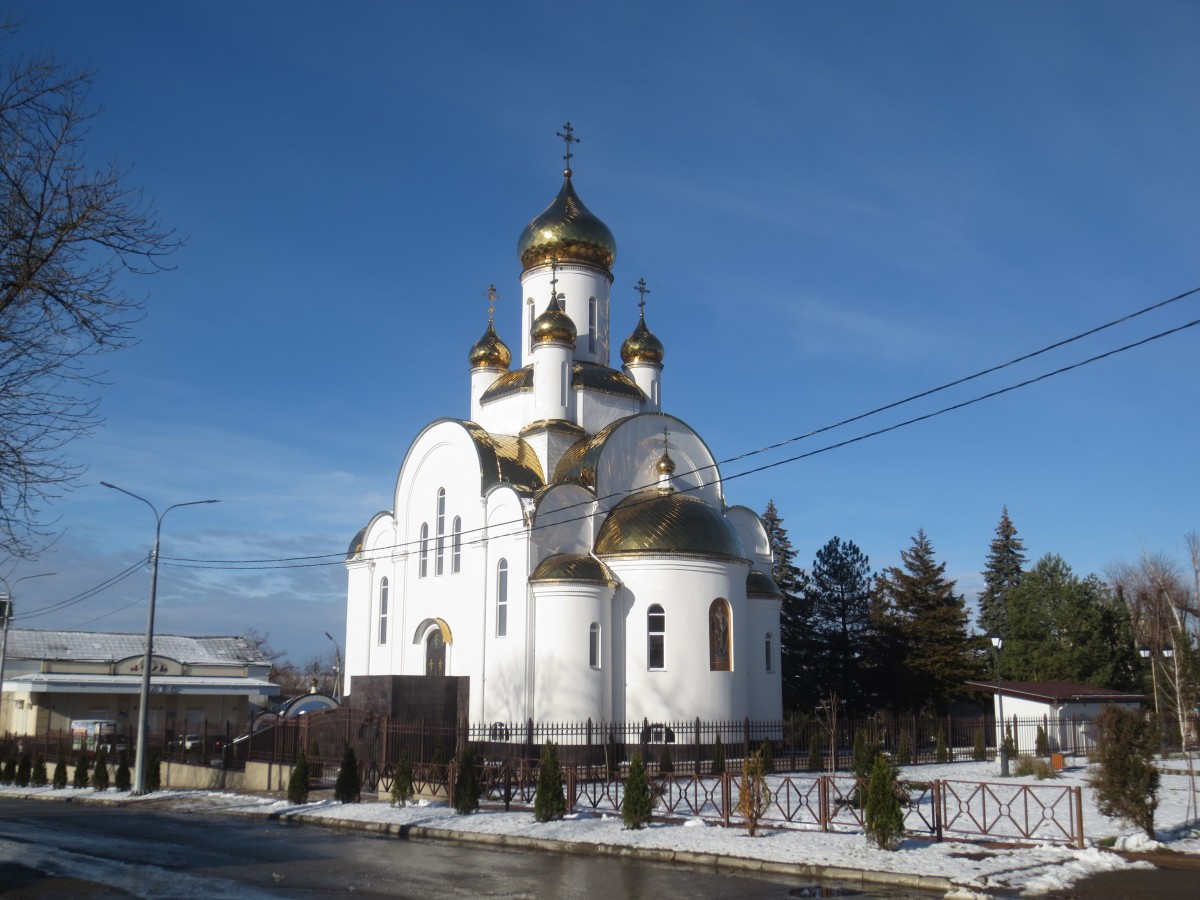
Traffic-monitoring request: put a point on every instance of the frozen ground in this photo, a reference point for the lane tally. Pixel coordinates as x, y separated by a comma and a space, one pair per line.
975, 869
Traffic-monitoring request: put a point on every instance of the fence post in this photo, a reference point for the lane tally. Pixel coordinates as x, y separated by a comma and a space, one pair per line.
451, 768
823, 801
696, 751
1078, 817
726, 784
571, 789
937, 809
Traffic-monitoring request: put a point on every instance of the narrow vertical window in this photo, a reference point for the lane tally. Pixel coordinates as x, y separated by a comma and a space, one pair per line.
423, 554
719, 657
502, 598
592, 325
767, 647
528, 322
594, 645
656, 630
456, 546
565, 381
383, 610
439, 558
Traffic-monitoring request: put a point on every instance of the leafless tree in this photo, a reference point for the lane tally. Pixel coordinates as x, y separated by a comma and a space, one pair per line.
69, 234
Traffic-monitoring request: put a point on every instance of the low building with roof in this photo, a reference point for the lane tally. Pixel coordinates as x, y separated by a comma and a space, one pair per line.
52, 678
565, 549
1064, 708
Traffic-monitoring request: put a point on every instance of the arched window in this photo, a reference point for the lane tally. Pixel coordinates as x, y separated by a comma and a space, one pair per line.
594, 645
423, 569
591, 324
767, 647
383, 610
435, 652
719, 634
502, 598
656, 633
440, 538
456, 546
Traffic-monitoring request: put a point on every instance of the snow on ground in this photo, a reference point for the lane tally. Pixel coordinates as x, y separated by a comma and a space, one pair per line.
976, 869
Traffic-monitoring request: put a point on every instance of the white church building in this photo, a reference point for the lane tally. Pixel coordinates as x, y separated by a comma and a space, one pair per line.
566, 545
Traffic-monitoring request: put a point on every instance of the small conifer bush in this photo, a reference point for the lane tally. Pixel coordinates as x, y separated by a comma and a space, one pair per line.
767, 753
943, 754
38, 776
718, 757
979, 751
466, 783
666, 764
1042, 747
815, 761
612, 758
754, 799
24, 770
549, 804
100, 770
883, 816
903, 751
122, 781
402, 781
345, 789
1032, 765
1126, 782
9, 773
637, 805
299, 782
82, 772
153, 779
60, 775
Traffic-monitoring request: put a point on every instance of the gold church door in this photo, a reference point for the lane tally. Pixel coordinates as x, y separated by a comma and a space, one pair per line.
435, 653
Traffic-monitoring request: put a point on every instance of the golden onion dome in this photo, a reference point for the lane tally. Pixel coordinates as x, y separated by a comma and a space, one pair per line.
759, 584
490, 351
553, 325
642, 346
653, 522
666, 465
573, 567
568, 230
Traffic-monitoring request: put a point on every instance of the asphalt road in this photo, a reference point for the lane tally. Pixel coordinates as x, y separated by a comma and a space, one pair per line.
50, 850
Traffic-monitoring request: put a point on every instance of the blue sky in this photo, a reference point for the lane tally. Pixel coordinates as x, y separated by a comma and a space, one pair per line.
836, 205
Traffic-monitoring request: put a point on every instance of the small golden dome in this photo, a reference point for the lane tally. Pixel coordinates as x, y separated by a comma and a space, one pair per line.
760, 584
666, 465
655, 522
553, 325
568, 230
642, 346
576, 567
490, 351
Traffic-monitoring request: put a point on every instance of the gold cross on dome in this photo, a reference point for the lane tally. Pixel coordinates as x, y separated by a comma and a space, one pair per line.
641, 288
554, 278
492, 296
568, 136
666, 438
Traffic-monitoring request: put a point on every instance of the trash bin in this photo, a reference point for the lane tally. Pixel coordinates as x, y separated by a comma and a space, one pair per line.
1057, 762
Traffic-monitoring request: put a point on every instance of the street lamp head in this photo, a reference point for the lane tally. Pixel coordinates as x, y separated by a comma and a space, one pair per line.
1168, 652
1144, 652
997, 641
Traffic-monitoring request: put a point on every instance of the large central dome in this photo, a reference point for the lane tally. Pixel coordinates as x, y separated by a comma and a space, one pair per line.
655, 522
566, 229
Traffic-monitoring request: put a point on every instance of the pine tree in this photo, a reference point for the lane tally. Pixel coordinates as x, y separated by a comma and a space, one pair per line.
346, 788
24, 770
637, 805
979, 751
815, 762
122, 779
299, 782
466, 784
903, 751
794, 639
549, 804
10, 770
718, 757
1001, 573
883, 816
924, 622
81, 771
100, 770
402, 783
941, 750
60, 775
1126, 782
38, 777
767, 751
839, 620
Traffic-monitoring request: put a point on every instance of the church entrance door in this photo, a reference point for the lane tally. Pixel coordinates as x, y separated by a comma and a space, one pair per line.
435, 653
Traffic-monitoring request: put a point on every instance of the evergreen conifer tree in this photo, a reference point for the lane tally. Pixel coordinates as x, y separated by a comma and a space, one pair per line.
979, 751
815, 761
60, 775
549, 804
840, 624
346, 788
38, 777
153, 779
299, 782
767, 752
1042, 745
1126, 782
24, 770
612, 758
1001, 573
924, 625
402, 782
121, 780
82, 772
795, 652
466, 783
754, 798
666, 763
718, 757
883, 816
100, 769
637, 805
942, 751
9, 773
903, 751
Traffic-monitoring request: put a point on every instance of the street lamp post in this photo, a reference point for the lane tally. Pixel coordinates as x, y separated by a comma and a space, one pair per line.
6, 608
139, 765
998, 645
337, 669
